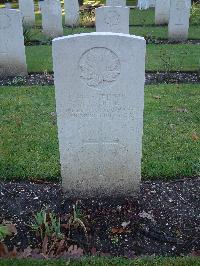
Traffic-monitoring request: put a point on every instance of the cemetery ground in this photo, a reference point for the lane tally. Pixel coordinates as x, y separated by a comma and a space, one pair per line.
163, 220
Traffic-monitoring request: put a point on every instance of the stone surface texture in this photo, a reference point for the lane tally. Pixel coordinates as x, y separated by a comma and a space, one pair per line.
162, 10
152, 3
27, 9
116, 2
51, 18
179, 20
12, 50
112, 19
99, 80
71, 13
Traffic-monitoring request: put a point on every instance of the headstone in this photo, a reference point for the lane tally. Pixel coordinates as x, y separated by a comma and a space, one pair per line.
99, 80
71, 13
12, 50
112, 19
51, 18
152, 3
162, 10
189, 4
27, 9
39, 4
179, 20
143, 4
116, 2
8, 5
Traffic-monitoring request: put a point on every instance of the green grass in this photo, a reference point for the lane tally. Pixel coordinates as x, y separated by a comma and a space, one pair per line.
29, 148
179, 261
144, 31
162, 32
179, 57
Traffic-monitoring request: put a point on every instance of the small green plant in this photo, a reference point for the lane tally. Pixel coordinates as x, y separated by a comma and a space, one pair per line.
28, 34
76, 220
150, 38
46, 224
4, 231
7, 230
18, 81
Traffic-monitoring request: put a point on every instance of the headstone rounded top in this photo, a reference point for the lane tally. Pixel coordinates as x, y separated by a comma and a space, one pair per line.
99, 67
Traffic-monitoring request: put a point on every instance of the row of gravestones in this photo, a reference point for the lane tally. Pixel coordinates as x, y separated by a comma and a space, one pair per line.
145, 4
175, 13
51, 14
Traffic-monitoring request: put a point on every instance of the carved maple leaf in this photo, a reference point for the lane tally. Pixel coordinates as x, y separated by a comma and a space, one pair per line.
99, 66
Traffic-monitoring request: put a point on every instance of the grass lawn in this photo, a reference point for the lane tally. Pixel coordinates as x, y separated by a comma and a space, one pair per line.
166, 57
144, 31
29, 147
184, 261
161, 32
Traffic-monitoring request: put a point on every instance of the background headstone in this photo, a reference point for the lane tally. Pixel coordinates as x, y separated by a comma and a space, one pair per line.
71, 13
116, 2
162, 10
143, 4
27, 9
51, 18
12, 50
112, 19
99, 80
39, 4
152, 3
179, 20
8, 5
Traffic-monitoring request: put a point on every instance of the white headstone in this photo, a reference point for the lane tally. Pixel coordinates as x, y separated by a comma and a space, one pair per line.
143, 4
39, 5
71, 13
116, 2
51, 18
162, 10
12, 50
189, 4
112, 19
99, 80
179, 20
8, 5
27, 9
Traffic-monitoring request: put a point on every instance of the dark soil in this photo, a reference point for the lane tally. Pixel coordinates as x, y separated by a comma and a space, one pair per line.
163, 220
149, 39
151, 78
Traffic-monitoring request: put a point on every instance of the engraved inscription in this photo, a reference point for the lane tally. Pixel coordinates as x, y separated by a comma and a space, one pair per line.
99, 67
5, 21
109, 106
112, 18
